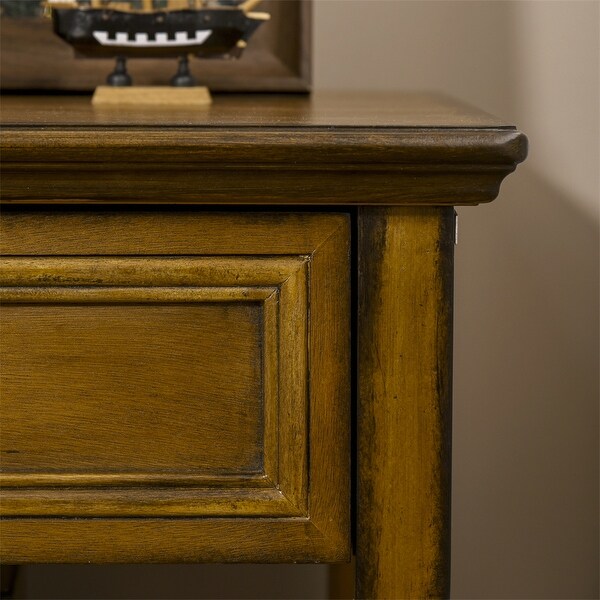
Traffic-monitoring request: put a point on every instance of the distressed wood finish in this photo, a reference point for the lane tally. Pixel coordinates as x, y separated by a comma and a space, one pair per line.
404, 418
331, 149
173, 384
272, 291
173, 232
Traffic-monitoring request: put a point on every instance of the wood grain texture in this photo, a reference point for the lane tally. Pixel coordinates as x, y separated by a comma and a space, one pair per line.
171, 233
329, 364
156, 272
352, 149
175, 385
107, 387
404, 419
151, 95
122, 393
272, 111
166, 541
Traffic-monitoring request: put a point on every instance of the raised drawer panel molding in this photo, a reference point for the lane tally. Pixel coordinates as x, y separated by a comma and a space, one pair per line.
178, 375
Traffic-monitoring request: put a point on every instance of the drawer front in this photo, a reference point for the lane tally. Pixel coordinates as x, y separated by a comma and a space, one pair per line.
174, 376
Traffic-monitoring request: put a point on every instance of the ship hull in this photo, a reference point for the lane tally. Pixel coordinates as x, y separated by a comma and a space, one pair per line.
105, 33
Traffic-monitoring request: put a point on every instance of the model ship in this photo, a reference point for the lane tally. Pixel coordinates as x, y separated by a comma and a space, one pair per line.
155, 29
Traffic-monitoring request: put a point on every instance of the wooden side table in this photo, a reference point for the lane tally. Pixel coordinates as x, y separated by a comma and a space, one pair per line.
189, 301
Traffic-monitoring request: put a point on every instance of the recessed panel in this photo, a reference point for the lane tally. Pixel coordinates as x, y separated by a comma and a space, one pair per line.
174, 386
127, 388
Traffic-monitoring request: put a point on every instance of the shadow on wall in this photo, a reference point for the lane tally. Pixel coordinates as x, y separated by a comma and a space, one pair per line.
526, 401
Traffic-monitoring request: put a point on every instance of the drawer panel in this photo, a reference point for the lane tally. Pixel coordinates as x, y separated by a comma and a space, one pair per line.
156, 383
131, 389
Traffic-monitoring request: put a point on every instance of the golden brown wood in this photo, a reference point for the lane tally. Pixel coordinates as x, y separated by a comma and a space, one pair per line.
183, 540
171, 273
404, 419
329, 364
173, 232
151, 95
145, 392
132, 389
271, 290
174, 384
388, 149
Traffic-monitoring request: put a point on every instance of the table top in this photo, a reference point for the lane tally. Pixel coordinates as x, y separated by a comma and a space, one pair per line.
327, 148
323, 109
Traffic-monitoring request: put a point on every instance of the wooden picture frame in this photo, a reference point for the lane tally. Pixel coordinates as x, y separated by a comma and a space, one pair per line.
277, 58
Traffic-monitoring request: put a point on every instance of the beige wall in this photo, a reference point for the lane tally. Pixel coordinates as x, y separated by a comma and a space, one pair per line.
525, 496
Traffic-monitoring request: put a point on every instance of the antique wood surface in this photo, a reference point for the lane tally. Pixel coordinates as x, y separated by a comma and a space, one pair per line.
404, 412
321, 109
110, 231
328, 149
404, 160
201, 374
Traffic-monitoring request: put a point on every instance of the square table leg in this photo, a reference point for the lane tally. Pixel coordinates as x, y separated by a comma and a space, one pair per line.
404, 406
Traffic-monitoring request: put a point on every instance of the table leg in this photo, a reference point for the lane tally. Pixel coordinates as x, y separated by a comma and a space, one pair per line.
8, 575
404, 406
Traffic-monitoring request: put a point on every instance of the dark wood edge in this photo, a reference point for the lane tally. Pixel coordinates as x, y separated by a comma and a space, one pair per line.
253, 146
354, 166
259, 187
